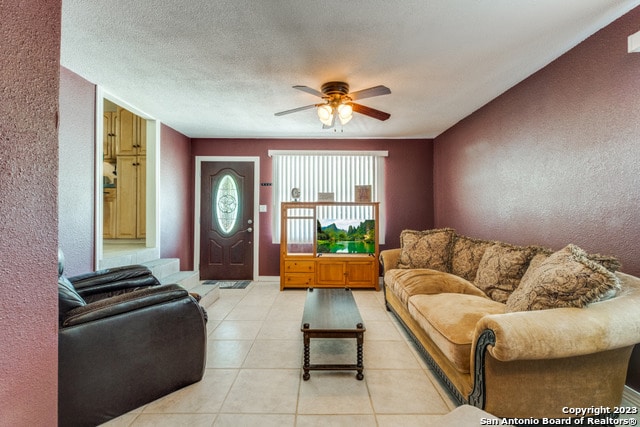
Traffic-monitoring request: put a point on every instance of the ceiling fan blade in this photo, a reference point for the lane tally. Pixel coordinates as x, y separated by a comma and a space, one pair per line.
371, 112
295, 110
368, 93
309, 90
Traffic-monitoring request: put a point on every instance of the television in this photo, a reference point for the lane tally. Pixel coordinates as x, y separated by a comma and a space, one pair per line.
342, 236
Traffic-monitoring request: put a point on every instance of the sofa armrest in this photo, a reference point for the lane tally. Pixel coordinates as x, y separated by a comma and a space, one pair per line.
124, 303
112, 281
109, 275
564, 332
389, 259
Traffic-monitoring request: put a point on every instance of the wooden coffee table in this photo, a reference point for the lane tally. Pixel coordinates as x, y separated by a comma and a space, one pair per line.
331, 313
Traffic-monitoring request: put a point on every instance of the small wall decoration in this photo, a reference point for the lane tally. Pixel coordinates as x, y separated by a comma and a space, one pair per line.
363, 193
326, 197
295, 194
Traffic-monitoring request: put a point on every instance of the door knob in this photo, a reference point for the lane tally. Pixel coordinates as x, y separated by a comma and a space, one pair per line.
249, 229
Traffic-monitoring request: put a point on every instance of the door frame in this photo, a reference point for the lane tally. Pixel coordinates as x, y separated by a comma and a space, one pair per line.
152, 238
256, 206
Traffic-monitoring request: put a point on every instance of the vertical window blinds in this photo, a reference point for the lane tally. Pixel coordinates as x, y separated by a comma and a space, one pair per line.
337, 172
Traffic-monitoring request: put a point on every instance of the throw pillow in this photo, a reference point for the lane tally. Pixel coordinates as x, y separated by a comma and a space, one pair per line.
68, 298
611, 263
426, 249
567, 278
466, 255
501, 268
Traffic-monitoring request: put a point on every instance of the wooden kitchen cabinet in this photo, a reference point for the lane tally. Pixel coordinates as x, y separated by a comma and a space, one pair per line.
131, 197
131, 135
109, 213
109, 132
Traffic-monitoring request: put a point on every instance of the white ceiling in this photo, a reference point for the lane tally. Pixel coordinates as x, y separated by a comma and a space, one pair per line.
222, 68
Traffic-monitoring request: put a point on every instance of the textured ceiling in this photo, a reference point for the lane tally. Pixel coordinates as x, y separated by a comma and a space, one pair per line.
223, 68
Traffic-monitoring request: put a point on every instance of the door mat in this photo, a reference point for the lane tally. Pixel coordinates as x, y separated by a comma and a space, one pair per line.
228, 284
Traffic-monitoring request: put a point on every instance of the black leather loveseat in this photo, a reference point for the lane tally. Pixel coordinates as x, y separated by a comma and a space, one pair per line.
124, 340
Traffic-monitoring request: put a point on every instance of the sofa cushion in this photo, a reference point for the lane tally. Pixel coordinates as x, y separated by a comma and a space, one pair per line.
501, 268
450, 319
466, 254
567, 278
406, 283
426, 249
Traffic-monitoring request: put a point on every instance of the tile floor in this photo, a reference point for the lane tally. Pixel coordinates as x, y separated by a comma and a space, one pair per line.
254, 375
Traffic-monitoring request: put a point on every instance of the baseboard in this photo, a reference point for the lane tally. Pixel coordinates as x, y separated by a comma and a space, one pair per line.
631, 396
268, 279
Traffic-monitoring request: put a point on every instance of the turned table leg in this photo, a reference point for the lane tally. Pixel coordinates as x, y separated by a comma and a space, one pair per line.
307, 357
360, 363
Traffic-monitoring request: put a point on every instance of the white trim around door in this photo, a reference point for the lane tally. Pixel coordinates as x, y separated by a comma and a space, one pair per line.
256, 205
152, 239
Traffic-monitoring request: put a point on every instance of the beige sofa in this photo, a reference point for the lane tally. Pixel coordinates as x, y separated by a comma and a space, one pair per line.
516, 331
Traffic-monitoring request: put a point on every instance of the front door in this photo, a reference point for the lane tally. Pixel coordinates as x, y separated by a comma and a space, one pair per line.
226, 221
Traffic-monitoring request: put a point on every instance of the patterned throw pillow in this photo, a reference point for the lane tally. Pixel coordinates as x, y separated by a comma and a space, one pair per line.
426, 249
501, 268
611, 263
466, 255
567, 278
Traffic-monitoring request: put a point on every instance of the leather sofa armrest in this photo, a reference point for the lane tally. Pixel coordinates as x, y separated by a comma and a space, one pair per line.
113, 281
389, 259
564, 332
135, 300
116, 274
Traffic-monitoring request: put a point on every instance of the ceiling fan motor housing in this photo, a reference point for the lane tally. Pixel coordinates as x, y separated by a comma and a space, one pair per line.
335, 88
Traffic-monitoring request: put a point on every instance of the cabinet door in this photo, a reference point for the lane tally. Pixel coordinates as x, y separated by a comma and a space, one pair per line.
126, 137
126, 200
109, 214
330, 273
141, 142
109, 135
360, 273
141, 215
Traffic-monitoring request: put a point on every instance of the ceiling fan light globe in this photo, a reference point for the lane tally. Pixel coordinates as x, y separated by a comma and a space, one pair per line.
325, 114
345, 113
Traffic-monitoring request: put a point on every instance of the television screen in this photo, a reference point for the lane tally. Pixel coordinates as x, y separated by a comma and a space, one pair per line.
346, 236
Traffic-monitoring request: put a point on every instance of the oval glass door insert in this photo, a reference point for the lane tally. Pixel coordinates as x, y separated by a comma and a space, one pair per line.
226, 200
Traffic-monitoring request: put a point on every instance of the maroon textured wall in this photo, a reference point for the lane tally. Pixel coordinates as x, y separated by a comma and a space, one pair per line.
29, 82
408, 181
555, 159
76, 200
176, 197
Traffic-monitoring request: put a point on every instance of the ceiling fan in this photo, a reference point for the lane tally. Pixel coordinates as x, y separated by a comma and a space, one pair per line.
338, 103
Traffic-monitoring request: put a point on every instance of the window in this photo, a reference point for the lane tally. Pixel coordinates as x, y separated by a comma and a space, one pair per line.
337, 172
226, 204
